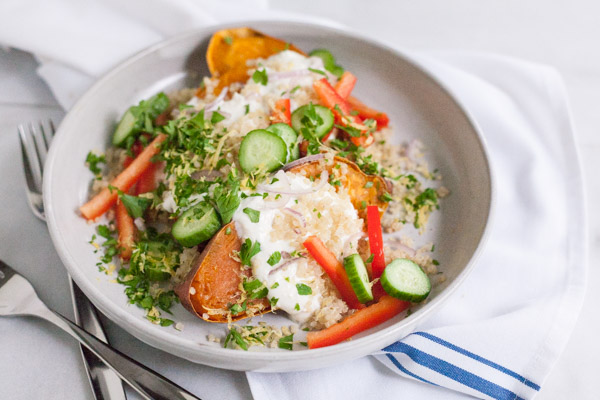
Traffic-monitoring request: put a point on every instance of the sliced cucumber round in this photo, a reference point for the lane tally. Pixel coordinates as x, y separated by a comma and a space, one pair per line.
405, 280
124, 128
262, 150
290, 137
358, 277
196, 225
321, 125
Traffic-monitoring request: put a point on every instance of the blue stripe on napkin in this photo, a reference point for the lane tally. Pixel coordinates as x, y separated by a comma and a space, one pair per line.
407, 372
452, 371
485, 361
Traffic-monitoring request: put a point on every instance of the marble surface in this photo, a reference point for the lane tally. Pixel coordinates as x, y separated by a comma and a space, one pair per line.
560, 33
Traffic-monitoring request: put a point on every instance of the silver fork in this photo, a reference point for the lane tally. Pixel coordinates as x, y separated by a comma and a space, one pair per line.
35, 140
17, 297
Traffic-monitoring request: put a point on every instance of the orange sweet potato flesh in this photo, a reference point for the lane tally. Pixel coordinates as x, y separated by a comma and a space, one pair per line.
353, 180
230, 49
213, 284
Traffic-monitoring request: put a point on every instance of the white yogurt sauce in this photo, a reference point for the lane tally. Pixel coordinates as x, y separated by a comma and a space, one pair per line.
281, 282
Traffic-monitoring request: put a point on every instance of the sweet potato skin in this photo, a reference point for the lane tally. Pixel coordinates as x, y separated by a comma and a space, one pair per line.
354, 181
214, 281
229, 49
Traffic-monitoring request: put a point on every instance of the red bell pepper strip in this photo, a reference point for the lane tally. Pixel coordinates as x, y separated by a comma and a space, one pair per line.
104, 200
375, 241
329, 262
126, 230
342, 110
345, 85
147, 181
281, 112
369, 317
365, 112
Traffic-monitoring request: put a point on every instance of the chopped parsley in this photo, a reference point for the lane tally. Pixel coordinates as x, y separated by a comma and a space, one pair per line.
237, 308
386, 197
246, 109
253, 214
274, 258
260, 76
145, 114
435, 262
368, 185
273, 301
228, 40
303, 289
216, 118
275, 285
370, 259
234, 337
154, 259
286, 342
255, 289
294, 89
226, 197
135, 205
92, 160
248, 251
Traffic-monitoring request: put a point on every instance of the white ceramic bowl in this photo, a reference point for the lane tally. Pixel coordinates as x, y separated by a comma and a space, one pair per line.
418, 108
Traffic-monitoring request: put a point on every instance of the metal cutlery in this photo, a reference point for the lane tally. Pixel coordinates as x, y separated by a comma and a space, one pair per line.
17, 297
35, 141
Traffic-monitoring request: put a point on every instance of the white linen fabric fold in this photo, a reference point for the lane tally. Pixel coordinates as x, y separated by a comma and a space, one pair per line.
500, 334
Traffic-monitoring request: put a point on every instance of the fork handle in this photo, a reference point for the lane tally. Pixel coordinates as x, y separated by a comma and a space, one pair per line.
145, 381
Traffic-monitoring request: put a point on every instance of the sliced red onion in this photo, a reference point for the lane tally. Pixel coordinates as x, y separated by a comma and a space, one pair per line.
213, 104
303, 160
285, 255
354, 237
389, 184
140, 224
288, 262
275, 204
296, 214
292, 192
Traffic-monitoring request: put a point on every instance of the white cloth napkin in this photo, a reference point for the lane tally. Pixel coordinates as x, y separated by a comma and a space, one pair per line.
500, 334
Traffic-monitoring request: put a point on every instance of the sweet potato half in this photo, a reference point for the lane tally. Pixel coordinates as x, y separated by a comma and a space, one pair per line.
214, 283
364, 190
229, 49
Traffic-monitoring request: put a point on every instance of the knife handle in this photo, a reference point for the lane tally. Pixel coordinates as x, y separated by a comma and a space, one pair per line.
105, 383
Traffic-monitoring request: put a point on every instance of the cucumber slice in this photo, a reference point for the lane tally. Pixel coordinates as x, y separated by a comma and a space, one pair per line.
124, 128
358, 277
196, 225
290, 137
321, 125
262, 150
405, 280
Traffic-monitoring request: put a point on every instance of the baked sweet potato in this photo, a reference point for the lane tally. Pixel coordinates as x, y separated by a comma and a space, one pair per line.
229, 49
213, 284
364, 190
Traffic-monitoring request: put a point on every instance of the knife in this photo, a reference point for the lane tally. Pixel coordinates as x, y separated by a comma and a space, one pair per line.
106, 385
